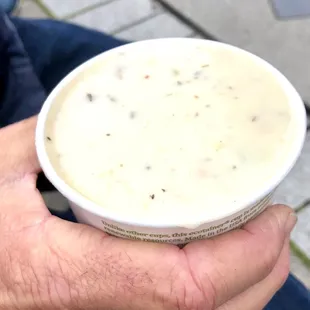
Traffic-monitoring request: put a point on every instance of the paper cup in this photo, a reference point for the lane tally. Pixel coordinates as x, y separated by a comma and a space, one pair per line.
88, 212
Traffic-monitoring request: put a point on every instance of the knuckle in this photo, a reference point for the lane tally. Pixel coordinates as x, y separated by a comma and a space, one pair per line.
189, 291
178, 291
187, 298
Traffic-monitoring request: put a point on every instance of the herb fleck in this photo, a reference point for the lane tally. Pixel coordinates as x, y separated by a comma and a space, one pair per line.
175, 72
49, 138
108, 134
121, 165
90, 97
205, 66
152, 196
254, 118
197, 74
112, 98
132, 114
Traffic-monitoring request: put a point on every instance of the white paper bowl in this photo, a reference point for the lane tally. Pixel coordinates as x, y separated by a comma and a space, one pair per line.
88, 212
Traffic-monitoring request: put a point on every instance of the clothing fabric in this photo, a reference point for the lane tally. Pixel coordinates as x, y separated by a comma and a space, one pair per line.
8, 6
35, 55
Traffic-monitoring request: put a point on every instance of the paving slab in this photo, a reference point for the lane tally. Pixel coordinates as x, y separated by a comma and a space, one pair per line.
295, 189
196, 36
163, 25
253, 26
301, 233
117, 15
61, 8
289, 8
28, 9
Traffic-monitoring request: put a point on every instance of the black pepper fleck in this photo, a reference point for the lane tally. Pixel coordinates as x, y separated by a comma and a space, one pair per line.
207, 105
49, 138
196, 114
90, 97
148, 167
163, 190
121, 165
132, 115
234, 167
152, 196
179, 83
230, 87
236, 98
108, 134
254, 119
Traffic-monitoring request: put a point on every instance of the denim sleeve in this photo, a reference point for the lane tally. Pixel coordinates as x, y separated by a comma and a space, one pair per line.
21, 93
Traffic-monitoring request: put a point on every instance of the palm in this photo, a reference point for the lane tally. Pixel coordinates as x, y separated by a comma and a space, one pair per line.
87, 257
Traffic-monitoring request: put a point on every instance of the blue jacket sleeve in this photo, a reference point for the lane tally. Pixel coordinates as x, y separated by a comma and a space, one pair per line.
21, 93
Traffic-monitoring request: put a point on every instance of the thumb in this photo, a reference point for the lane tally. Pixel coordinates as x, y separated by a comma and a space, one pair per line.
229, 264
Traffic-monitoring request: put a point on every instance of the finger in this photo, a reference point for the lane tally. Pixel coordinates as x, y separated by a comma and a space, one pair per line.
258, 296
17, 153
227, 265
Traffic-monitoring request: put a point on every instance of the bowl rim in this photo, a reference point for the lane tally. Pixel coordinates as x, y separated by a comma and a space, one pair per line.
89, 206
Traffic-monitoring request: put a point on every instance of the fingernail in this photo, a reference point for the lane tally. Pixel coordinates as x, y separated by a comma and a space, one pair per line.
290, 222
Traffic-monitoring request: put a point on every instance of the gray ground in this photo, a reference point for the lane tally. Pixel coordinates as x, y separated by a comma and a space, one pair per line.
250, 24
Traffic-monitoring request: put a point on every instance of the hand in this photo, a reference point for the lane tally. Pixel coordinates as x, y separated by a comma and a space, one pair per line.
48, 263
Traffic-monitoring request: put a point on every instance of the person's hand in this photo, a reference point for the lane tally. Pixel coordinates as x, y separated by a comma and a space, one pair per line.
49, 263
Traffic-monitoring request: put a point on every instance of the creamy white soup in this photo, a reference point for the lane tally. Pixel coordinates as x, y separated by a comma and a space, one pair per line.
171, 132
